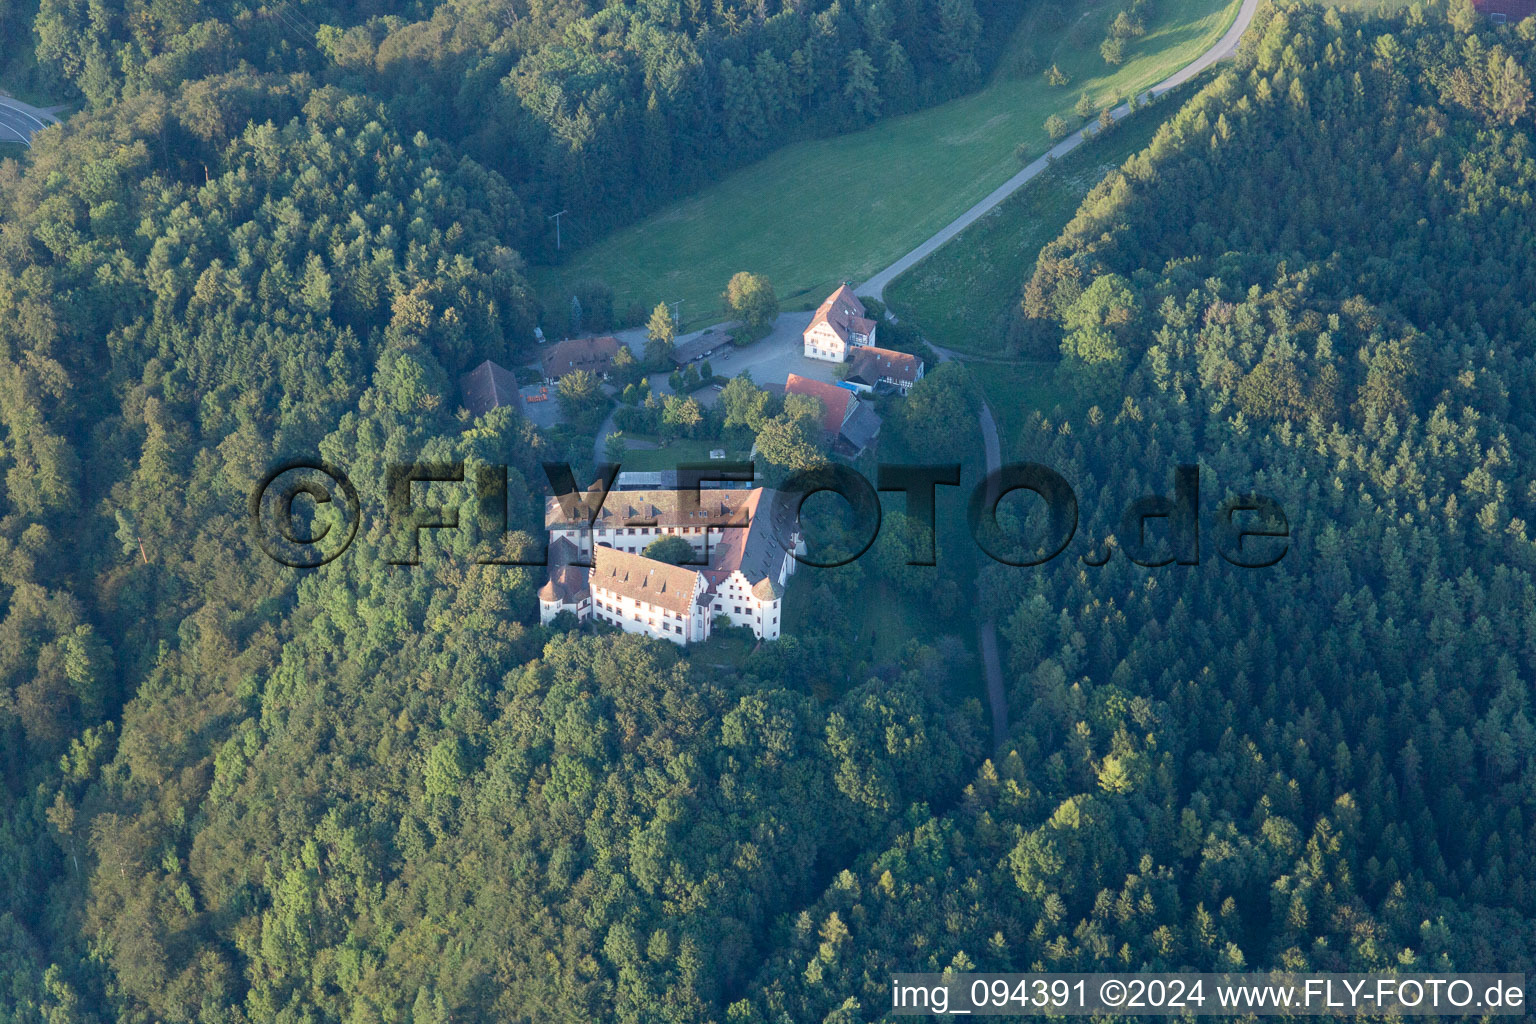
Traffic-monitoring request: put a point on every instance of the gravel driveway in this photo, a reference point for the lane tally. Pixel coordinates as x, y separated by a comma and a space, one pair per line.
770, 360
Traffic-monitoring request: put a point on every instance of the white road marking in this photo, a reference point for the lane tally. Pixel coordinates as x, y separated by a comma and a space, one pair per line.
24, 113
21, 136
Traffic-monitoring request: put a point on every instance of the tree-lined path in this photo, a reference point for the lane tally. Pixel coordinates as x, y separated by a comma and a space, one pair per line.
997, 698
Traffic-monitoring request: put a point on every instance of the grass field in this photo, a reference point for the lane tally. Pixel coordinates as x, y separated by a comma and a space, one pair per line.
649, 460
819, 212
1015, 391
722, 650
962, 296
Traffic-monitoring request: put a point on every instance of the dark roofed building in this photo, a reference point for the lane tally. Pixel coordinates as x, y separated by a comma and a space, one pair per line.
567, 585
702, 347
849, 425
594, 355
860, 431
567, 589
1506, 11
873, 367
489, 386
758, 551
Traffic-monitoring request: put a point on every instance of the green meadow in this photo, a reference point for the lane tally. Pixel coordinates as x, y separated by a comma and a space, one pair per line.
818, 212
962, 296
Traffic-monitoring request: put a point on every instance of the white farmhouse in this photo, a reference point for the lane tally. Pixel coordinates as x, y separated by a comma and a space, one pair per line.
838, 326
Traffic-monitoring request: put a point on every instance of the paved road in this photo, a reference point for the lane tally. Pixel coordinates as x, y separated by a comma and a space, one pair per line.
997, 694
992, 666
770, 359
1224, 47
19, 121
780, 353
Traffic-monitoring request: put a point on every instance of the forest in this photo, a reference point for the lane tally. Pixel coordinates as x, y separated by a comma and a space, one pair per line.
601, 109
234, 792
1322, 766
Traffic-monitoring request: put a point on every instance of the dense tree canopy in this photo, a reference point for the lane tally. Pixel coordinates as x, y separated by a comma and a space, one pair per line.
598, 107
236, 792
1326, 765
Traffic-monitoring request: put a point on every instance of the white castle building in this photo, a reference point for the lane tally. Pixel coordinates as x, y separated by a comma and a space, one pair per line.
745, 560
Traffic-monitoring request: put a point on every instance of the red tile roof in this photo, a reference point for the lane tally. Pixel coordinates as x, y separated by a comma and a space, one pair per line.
716, 508
758, 551
834, 400
844, 313
644, 579
567, 584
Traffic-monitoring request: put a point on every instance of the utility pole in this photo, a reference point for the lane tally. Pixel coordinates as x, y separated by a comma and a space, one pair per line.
677, 312
556, 218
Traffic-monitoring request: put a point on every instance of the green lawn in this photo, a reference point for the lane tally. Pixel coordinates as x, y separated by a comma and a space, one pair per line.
817, 212
650, 460
1015, 391
889, 619
963, 295
722, 650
